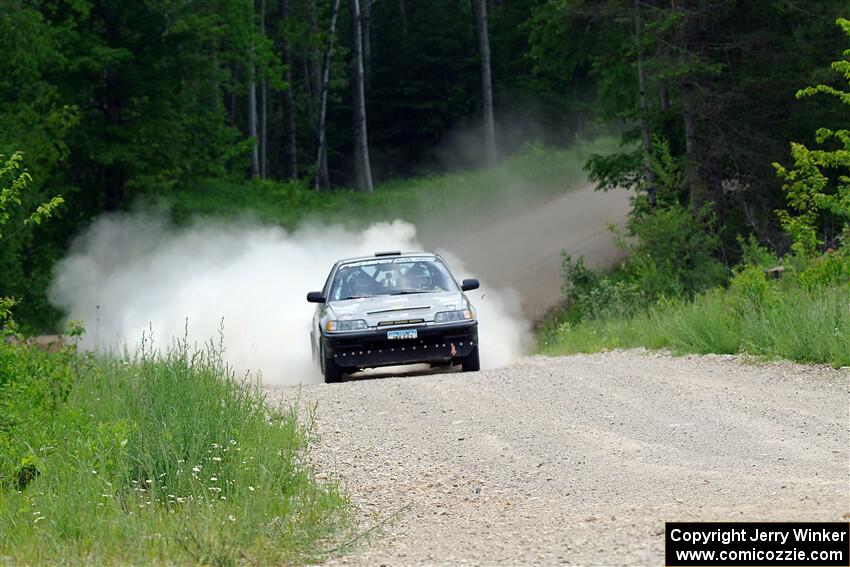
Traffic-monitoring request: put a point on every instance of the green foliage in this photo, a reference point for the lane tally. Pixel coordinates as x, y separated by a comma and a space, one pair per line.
577, 279
13, 182
669, 252
616, 171
810, 192
805, 186
824, 271
10, 194
162, 458
6, 305
754, 254
749, 290
706, 66
802, 316
598, 297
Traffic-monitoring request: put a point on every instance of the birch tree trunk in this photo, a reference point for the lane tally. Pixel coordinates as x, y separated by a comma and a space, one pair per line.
290, 149
362, 166
649, 178
233, 98
696, 186
313, 62
252, 122
664, 96
486, 81
366, 27
402, 11
264, 107
322, 180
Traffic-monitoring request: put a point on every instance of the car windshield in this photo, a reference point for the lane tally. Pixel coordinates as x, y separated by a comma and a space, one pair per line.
391, 276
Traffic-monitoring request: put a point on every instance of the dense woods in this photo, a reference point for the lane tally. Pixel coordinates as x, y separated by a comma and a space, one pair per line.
112, 101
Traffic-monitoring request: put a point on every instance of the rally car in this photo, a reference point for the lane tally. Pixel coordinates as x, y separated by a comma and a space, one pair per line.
391, 309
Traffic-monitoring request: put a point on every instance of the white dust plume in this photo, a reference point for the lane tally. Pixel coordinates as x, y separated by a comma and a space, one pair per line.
130, 274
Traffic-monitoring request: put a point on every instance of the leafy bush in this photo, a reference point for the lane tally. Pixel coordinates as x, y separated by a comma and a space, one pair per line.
669, 250
673, 253
828, 269
669, 255
812, 196
594, 296
19, 213
748, 290
754, 254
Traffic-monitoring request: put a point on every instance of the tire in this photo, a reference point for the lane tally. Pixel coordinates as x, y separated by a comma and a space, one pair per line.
471, 362
330, 369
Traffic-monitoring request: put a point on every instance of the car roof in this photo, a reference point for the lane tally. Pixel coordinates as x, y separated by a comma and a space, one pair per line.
384, 256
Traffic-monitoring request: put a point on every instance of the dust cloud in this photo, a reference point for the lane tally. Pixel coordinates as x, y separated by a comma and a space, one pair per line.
130, 274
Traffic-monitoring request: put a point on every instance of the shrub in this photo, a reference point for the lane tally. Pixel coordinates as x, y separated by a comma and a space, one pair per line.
828, 269
754, 254
673, 252
748, 290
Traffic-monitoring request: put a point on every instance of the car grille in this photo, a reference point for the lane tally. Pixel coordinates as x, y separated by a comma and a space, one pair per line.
405, 322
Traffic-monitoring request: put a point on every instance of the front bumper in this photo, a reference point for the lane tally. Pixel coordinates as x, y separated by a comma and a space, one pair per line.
371, 349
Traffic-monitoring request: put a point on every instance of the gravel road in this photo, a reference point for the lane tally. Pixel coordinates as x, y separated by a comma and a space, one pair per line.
581, 459
523, 251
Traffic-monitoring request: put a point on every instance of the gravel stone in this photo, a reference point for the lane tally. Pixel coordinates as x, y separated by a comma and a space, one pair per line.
580, 459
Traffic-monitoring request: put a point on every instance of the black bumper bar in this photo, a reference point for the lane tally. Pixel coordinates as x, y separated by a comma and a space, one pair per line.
370, 349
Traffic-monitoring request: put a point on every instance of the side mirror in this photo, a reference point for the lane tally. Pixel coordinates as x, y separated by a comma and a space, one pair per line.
469, 284
315, 297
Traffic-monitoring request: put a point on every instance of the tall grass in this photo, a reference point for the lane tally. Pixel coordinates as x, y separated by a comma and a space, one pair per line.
793, 322
163, 458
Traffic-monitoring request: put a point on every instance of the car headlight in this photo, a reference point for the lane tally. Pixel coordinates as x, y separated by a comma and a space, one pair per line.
347, 325
449, 316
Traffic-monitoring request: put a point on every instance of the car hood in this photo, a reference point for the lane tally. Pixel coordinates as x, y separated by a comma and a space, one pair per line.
389, 308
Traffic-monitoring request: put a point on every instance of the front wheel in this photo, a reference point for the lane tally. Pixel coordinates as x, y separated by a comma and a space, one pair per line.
471, 362
330, 369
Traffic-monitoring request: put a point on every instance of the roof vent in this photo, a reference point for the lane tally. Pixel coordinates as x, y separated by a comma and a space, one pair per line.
389, 253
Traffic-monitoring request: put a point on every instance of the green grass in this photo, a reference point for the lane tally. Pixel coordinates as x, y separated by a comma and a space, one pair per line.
810, 325
532, 175
161, 459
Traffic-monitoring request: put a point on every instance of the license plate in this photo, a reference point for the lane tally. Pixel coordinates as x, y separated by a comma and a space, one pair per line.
405, 334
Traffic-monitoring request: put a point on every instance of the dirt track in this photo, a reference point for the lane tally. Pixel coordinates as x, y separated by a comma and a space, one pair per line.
581, 460
523, 251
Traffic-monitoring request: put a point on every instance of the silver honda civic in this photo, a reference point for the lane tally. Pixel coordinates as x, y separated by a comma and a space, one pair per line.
391, 309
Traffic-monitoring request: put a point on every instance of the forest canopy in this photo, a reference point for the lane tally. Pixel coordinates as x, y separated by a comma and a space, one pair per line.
111, 101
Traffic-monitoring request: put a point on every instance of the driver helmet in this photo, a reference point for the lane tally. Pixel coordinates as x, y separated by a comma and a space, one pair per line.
418, 277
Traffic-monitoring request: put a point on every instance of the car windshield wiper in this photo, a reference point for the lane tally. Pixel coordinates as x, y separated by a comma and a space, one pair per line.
410, 291
356, 297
